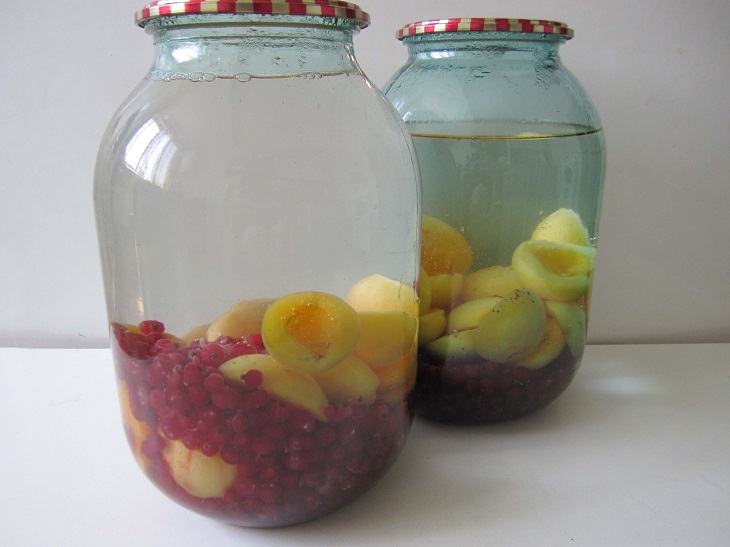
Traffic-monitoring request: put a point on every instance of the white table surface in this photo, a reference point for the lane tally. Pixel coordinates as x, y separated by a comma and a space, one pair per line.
635, 452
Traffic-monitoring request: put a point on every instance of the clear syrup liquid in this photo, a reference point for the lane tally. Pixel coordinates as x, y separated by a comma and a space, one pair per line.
497, 187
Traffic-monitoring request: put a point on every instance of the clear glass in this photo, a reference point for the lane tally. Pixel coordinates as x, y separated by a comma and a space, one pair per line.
512, 160
257, 202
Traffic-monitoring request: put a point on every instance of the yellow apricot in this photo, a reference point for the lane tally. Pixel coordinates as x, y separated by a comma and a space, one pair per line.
400, 392
444, 249
555, 271
445, 290
242, 319
458, 346
562, 226
468, 315
385, 336
572, 321
349, 380
297, 388
547, 350
310, 331
379, 293
396, 373
431, 326
512, 328
492, 281
202, 476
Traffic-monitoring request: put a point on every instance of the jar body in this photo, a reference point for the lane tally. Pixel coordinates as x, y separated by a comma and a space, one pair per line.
512, 162
244, 229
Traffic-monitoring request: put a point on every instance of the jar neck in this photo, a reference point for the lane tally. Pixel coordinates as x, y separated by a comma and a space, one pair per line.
249, 46
481, 46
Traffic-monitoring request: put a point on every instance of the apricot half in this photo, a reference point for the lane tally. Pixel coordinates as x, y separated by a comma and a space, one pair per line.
562, 226
444, 249
547, 350
398, 379
202, 476
572, 321
349, 380
397, 373
445, 289
242, 319
310, 331
512, 328
492, 281
379, 293
385, 336
431, 326
291, 386
457, 346
555, 271
470, 314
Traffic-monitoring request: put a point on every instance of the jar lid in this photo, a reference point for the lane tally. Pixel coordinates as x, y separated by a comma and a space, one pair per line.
314, 8
480, 24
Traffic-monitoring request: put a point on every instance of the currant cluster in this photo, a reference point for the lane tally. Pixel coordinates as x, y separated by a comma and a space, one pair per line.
483, 392
290, 467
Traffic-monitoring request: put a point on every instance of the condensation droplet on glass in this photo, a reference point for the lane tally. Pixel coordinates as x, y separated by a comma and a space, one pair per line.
243, 77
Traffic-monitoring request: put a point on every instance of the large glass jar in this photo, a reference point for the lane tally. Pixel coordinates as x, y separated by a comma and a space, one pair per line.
257, 203
512, 164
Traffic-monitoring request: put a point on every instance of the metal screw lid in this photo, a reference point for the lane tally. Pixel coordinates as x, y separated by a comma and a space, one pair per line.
314, 8
480, 24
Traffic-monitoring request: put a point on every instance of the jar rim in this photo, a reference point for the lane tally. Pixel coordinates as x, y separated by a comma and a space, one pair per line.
311, 8
482, 24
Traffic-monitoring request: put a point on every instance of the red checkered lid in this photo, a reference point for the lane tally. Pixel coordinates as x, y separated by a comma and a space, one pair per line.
480, 24
316, 8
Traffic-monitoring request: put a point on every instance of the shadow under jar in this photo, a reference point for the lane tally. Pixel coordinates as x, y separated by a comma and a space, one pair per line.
257, 204
512, 161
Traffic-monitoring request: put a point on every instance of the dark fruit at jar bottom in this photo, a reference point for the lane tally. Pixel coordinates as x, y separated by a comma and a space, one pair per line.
483, 392
235, 452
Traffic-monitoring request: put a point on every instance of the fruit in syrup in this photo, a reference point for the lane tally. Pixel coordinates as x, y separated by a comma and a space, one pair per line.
512, 328
385, 336
572, 321
291, 386
202, 476
431, 326
444, 249
244, 318
555, 271
349, 380
492, 281
379, 293
310, 331
562, 226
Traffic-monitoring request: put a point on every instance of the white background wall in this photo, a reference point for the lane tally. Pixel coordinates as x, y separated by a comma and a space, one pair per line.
657, 70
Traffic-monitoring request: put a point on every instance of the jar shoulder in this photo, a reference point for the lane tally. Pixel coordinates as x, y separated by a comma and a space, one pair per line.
432, 92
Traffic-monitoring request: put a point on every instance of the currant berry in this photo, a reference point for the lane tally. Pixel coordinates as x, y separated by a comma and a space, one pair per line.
253, 378
213, 354
150, 326
214, 382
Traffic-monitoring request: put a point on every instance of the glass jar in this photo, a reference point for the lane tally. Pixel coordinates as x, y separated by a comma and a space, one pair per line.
257, 203
512, 160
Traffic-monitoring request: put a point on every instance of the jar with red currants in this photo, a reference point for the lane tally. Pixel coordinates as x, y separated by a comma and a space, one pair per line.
257, 204
512, 160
